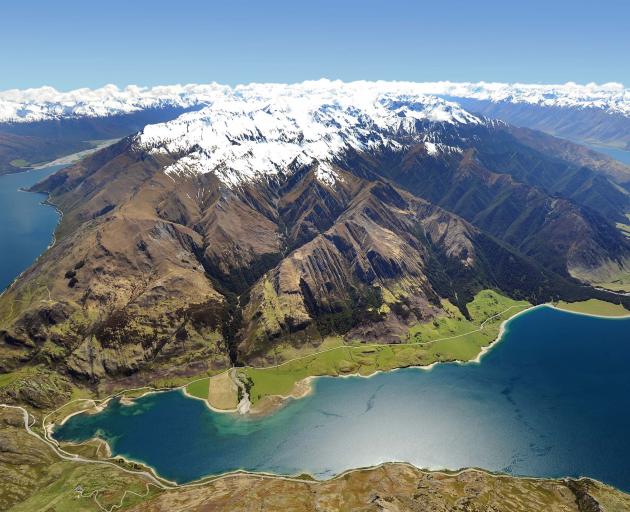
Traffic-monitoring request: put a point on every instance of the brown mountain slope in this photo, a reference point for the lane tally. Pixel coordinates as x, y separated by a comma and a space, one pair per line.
151, 269
574, 153
121, 286
541, 217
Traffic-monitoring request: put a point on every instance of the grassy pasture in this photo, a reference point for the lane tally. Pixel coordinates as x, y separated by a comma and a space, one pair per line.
449, 337
594, 307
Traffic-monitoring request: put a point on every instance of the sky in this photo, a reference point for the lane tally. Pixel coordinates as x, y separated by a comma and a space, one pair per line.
69, 43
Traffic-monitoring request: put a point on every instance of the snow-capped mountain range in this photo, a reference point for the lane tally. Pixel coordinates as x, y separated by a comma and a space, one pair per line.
265, 130
611, 97
305, 199
262, 130
46, 103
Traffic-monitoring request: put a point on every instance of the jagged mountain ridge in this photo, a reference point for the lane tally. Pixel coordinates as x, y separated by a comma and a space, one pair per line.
263, 133
294, 215
598, 113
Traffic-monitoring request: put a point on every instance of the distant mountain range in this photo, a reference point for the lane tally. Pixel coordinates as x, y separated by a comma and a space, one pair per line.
277, 213
46, 103
38, 125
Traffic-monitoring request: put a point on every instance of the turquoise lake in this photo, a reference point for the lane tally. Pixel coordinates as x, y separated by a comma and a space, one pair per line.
552, 399
618, 154
26, 225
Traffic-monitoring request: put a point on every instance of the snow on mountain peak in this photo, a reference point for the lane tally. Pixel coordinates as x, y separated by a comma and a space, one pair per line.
611, 97
46, 103
263, 130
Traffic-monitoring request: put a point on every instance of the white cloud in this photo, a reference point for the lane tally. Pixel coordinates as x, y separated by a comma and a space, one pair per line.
48, 103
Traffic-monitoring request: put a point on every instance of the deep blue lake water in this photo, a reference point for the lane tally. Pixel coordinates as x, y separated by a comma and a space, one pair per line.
26, 225
552, 399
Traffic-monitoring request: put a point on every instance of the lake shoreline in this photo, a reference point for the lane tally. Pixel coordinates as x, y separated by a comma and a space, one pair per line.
592, 315
113, 459
308, 381
62, 163
147, 471
307, 388
277, 402
503, 331
52, 240
298, 477
250, 478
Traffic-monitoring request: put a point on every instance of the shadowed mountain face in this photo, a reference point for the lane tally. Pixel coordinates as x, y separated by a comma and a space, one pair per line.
18, 151
518, 190
23, 145
170, 253
586, 123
